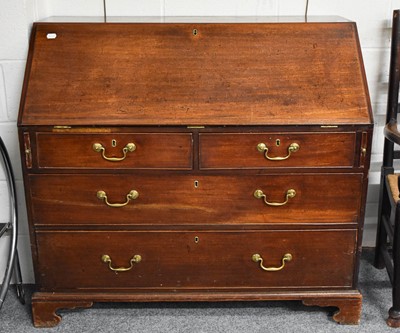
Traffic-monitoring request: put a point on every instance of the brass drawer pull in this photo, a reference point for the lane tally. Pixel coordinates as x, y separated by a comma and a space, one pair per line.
98, 148
257, 258
134, 260
132, 195
289, 195
262, 148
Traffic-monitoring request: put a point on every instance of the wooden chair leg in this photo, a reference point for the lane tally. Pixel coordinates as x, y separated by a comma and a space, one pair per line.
394, 312
384, 206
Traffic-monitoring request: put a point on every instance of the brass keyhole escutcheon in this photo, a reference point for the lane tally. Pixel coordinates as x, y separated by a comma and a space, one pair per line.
113, 142
278, 142
196, 239
195, 32
196, 184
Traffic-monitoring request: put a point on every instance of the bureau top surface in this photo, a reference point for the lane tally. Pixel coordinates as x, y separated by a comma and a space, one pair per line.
193, 19
203, 73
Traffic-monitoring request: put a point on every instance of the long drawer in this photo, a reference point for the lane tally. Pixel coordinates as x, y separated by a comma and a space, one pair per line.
115, 151
206, 260
194, 199
276, 150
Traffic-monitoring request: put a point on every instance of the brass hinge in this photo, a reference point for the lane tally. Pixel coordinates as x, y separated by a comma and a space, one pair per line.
363, 149
195, 126
61, 127
27, 150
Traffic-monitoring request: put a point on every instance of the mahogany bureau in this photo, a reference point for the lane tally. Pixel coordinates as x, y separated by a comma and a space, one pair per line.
195, 160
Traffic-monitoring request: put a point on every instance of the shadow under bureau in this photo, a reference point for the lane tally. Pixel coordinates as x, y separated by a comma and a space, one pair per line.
201, 160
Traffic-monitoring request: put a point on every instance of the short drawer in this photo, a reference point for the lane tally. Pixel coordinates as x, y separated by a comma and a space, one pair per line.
115, 151
215, 259
276, 150
105, 199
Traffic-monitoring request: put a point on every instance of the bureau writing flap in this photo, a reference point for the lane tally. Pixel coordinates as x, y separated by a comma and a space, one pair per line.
194, 73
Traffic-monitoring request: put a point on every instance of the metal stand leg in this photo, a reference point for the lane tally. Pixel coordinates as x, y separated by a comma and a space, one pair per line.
13, 260
18, 279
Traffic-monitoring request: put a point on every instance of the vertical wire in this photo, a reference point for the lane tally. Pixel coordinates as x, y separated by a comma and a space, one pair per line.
105, 11
305, 13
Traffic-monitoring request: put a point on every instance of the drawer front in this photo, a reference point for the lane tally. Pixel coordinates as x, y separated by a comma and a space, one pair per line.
68, 260
276, 150
188, 199
115, 151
